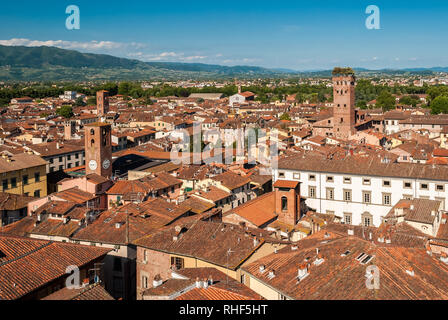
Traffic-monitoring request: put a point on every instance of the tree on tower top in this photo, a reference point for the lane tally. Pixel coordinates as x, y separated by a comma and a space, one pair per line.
337, 71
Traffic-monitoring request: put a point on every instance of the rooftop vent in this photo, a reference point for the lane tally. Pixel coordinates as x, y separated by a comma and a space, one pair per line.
319, 260
410, 271
118, 225
350, 232
444, 258
271, 274
262, 268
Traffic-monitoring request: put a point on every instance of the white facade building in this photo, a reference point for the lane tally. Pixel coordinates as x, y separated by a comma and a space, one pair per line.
364, 198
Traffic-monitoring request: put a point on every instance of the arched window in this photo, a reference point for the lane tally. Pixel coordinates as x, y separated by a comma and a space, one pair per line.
92, 131
284, 204
92, 142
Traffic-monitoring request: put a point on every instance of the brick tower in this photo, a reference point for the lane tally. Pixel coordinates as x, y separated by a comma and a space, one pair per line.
102, 102
69, 129
98, 148
287, 201
344, 106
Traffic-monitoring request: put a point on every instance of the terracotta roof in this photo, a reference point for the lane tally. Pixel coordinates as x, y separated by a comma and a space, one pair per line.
421, 211
74, 195
286, 184
131, 221
20, 161
342, 277
93, 292
40, 262
197, 205
258, 211
208, 241
231, 180
9, 201
369, 167
213, 193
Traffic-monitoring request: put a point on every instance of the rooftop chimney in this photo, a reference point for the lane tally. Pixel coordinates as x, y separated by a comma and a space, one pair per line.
157, 282
255, 242
198, 283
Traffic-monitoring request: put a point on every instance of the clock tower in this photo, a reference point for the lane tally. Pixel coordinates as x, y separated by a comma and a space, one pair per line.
98, 148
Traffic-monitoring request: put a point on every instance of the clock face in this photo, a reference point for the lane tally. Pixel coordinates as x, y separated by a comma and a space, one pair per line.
106, 164
93, 165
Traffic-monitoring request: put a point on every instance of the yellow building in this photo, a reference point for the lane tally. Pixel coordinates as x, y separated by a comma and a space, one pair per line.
23, 174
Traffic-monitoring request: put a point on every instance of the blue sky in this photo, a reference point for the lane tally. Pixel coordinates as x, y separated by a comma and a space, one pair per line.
300, 35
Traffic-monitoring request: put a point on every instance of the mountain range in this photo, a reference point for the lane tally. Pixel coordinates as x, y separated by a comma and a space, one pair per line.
19, 63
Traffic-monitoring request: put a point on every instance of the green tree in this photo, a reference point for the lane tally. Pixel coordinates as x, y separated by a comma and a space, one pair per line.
91, 101
65, 111
79, 102
285, 116
439, 105
385, 100
409, 101
362, 104
125, 88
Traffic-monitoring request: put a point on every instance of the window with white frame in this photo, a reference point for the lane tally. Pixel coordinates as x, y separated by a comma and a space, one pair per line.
387, 199
347, 218
366, 196
312, 192
347, 195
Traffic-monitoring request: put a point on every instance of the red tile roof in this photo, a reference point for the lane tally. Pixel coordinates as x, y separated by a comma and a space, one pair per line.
40, 262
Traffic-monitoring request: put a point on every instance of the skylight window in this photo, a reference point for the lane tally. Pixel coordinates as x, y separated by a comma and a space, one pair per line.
361, 256
346, 253
366, 259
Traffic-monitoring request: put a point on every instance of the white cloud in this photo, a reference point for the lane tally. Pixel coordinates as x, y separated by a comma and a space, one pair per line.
73, 45
166, 56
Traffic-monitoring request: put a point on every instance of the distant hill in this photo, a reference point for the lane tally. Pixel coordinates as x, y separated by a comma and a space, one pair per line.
50, 63
19, 63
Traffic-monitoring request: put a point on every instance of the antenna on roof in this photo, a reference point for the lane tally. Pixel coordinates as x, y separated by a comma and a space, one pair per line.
227, 264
